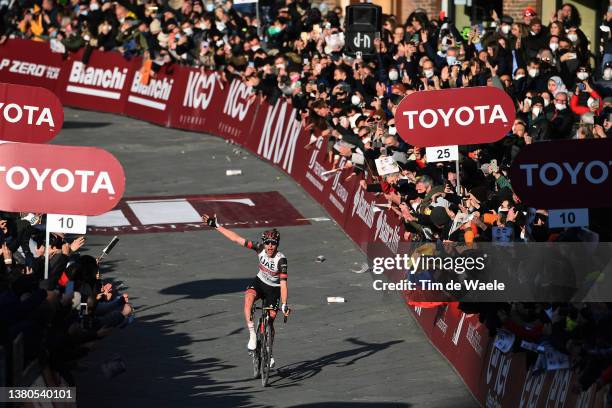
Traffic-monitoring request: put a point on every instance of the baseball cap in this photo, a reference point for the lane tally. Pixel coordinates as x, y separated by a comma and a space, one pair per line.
529, 12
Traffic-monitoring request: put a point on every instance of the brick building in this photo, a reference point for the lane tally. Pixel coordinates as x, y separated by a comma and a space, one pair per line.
462, 12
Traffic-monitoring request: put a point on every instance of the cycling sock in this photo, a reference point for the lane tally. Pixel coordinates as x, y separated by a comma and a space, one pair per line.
251, 326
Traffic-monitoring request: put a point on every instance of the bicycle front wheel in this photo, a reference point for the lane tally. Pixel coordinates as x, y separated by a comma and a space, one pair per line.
266, 351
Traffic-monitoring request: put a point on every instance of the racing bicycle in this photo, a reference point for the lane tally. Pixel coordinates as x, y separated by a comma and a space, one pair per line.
263, 352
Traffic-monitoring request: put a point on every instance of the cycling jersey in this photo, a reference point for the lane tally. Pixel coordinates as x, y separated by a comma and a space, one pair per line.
271, 269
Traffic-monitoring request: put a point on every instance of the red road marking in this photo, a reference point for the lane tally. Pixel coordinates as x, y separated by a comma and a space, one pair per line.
137, 215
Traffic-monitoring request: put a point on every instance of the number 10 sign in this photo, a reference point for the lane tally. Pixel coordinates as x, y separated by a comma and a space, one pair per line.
70, 224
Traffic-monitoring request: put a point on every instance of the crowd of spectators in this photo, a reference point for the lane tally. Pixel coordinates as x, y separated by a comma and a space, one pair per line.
560, 82
61, 317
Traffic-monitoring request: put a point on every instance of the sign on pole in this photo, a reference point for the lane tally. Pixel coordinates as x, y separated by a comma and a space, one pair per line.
457, 116
59, 179
442, 153
568, 218
29, 114
67, 224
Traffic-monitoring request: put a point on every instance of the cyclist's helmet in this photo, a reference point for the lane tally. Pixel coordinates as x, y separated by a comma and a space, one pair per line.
271, 235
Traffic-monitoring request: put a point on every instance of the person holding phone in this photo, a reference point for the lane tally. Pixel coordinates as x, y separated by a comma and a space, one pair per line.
585, 98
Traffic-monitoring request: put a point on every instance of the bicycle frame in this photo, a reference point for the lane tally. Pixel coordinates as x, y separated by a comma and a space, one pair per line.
263, 351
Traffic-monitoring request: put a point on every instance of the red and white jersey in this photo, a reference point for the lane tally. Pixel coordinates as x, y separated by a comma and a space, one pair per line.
271, 270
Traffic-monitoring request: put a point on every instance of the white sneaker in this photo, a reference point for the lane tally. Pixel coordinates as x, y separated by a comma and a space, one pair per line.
252, 345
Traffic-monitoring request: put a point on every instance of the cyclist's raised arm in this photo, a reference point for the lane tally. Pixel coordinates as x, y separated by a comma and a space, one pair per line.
231, 235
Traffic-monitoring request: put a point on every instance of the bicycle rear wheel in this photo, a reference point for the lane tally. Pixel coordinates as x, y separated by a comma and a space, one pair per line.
266, 350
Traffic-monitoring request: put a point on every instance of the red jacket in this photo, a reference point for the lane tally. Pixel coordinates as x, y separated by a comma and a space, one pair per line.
580, 109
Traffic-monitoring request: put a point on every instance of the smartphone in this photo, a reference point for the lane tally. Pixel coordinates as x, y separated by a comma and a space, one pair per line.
70, 288
582, 87
83, 309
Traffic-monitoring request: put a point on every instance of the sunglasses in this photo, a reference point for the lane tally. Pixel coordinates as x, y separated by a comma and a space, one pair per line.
270, 242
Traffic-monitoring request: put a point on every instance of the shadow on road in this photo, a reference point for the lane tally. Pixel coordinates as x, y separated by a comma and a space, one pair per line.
202, 289
83, 125
291, 375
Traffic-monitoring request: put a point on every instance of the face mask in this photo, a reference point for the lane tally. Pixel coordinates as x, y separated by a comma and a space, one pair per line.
451, 60
607, 74
516, 78
572, 37
536, 111
393, 75
560, 106
94, 6
582, 75
505, 29
355, 100
428, 73
188, 31
392, 130
209, 7
421, 195
533, 72
553, 46
546, 102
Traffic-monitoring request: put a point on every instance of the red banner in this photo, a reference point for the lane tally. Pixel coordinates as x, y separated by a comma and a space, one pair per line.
198, 100
59, 179
152, 96
29, 114
30, 63
100, 84
577, 177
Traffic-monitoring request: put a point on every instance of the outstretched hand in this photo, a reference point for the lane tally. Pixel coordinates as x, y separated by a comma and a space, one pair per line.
210, 221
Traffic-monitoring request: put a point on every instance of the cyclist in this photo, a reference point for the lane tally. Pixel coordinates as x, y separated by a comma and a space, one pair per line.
270, 284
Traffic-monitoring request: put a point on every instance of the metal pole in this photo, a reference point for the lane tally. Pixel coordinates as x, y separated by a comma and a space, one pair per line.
458, 180
47, 252
258, 19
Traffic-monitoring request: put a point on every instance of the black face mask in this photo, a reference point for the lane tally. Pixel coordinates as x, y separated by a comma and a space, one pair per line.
421, 195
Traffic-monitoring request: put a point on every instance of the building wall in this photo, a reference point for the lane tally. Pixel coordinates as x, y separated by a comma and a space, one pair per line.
514, 8
431, 6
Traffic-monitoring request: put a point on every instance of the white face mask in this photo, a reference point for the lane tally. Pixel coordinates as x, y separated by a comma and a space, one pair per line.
536, 111
553, 46
505, 29
607, 75
533, 72
516, 78
210, 7
188, 31
546, 102
94, 6
355, 100
572, 37
560, 106
582, 75
428, 73
393, 75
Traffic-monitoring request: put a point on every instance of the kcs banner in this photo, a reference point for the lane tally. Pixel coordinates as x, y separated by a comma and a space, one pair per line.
59, 179
29, 114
